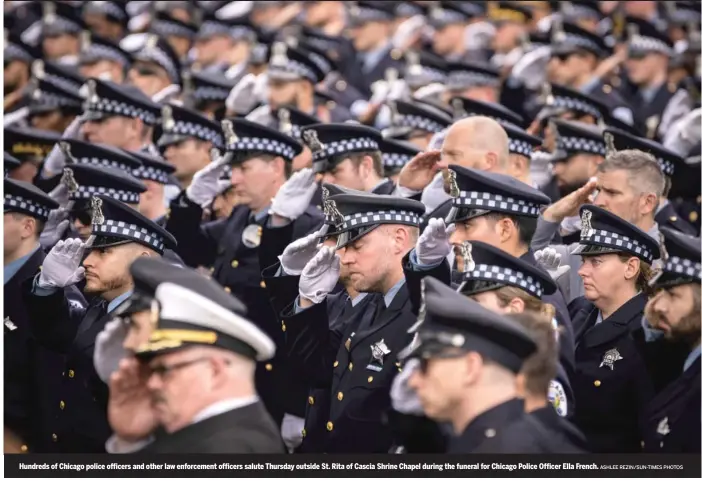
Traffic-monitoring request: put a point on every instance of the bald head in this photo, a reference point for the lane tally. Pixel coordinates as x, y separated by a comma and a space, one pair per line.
476, 143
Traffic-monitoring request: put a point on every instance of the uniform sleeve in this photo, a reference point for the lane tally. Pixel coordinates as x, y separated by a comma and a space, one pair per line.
544, 234
414, 274
274, 240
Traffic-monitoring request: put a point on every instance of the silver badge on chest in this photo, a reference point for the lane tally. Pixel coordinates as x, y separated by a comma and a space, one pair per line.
378, 352
610, 357
663, 428
251, 237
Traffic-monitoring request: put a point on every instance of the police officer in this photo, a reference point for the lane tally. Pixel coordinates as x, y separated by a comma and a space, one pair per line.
155, 174
30, 147
672, 316
223, 43
102, 58
52, 107
156, 69
207, 94
453, 343
666, 215
450, 21
29, 368
415, 122
60, 29
17, 74
375, 233
119, 235
179, 34
473, 80
107, 19
396, 154
611, 383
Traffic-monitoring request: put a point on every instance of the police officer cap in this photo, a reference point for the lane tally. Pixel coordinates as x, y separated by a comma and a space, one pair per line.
445, 13
454, 321
99, 155
47, 96
574, 138
60, 18
106, 99
330, 219
116, 223
67, 77
423, 68
84, 181
487, 268
568, 38
667, 159
511, 12
166, 25
604, 233
409, 9
288, 63
237, 28
362, 12
178, 124
29, 143
681, 260
10, 163
396, 154
521, 142
416, 116
16, 49
95, 48
558, 99
331, 143
643, 38
248, 139
464, 75
152, 168
580, 9
358, 214
193, 310
115, 12
465, 107
147, 273
156, 50
25, 198
291, 121
477, 193
210, 86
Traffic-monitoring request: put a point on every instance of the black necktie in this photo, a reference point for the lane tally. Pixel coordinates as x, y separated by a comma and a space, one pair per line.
94, 312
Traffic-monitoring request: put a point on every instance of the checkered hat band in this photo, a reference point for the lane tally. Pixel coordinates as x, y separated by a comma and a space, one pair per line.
685, 267
650, 44
618, 241
371, 15
214, 28
104, 162
105, 52
61, 24
211, 93
63, 82
505, 275
520, 147
161, 58
576, 104
448, 16
488, 201
271, 146
190, 129
26, 205
296, 68
381, 217
117, 107
428, 75
113, 228
56, 100
346, 145
582, 42
108, 8
13, 50
151, 173
579, 144
165, 28
466, 79
88, 191
395, 160
667, 166
420, 123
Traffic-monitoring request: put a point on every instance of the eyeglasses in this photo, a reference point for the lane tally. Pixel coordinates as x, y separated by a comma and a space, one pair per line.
424, 361
163, 370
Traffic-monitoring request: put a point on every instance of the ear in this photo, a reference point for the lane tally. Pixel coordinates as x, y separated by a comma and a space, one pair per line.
279, 166
648, 203
473, 365
401, 236
515, 306
491, 160
633, 267
506, 229
366, 166
29, 227
521, 385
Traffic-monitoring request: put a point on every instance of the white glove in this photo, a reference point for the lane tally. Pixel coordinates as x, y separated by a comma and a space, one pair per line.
55, 161
108, 348
163, 95
407, 31
404, 398
61, 266
241, 98
433, 245
428, 91
320, 275
550, 260
291, 430
381, 89
60, 194
55, 227
295, 195
530, 69
299, 253
398, 91
203, 188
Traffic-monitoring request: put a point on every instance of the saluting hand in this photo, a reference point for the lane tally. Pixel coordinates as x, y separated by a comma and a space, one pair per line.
56, 225
61, 266
420, 171
550, 260
204, 187
299, 253
129, 408
295, 195
433, 245
569, 205
320, 275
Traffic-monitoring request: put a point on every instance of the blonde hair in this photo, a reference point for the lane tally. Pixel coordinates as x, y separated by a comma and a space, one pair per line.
643, 277
532, 305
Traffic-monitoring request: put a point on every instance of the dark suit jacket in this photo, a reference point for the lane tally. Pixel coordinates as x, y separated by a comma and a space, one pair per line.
245, 430
668, 217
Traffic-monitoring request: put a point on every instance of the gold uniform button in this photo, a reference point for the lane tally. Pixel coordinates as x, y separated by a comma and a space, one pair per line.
490, 433
62, 405
336, 363
282, 327
693, 216
396, 54
228, 290
54, 438
263, 284
350, 366
606, 88
370, 378
40, 267
341, 85
211, 270
24, 448
310, 400
330, 426
340, 396
673, 218
235, 263
304, 432
598, 383
319, 207
71, 373
269, 367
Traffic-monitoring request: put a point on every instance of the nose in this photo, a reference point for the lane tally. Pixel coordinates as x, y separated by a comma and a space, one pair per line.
153, 383
90, 260
414, 380
236, 177
456, 237
584, 270
345, 256
443, 163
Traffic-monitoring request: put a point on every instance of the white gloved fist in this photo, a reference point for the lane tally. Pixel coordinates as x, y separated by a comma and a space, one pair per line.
320, 275
433, 245
404, 398
381, 89
291, 431
550, 260
60, 194
398, 91
408, 31
56, 225
108, 348
241, 99
61, 266
295, 195
297, 254
204, 187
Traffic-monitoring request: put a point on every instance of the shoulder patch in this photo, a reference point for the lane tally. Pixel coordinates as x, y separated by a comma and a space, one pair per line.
557, 398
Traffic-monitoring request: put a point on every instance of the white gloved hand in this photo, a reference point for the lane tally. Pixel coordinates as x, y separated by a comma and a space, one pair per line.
550, 260
408, 31
61, 266
295, 195
241, 99
398, 91
203, 188
108, 348
428, 91
530, 69
56, 160
320, 275
260, 89
381, 89
299, 253
60, 194
433, 245
166, 93
404, 398
55, 227
291, 431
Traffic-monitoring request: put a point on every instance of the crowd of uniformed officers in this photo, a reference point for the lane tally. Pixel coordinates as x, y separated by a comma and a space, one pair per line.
352, 227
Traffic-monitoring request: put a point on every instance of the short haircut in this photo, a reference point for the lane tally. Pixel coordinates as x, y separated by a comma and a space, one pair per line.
18, 216
357, 157
526, 226
644, 173
265, 156
541, 367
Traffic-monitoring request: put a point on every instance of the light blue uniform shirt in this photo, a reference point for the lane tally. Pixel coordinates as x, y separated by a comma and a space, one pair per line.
13, 267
